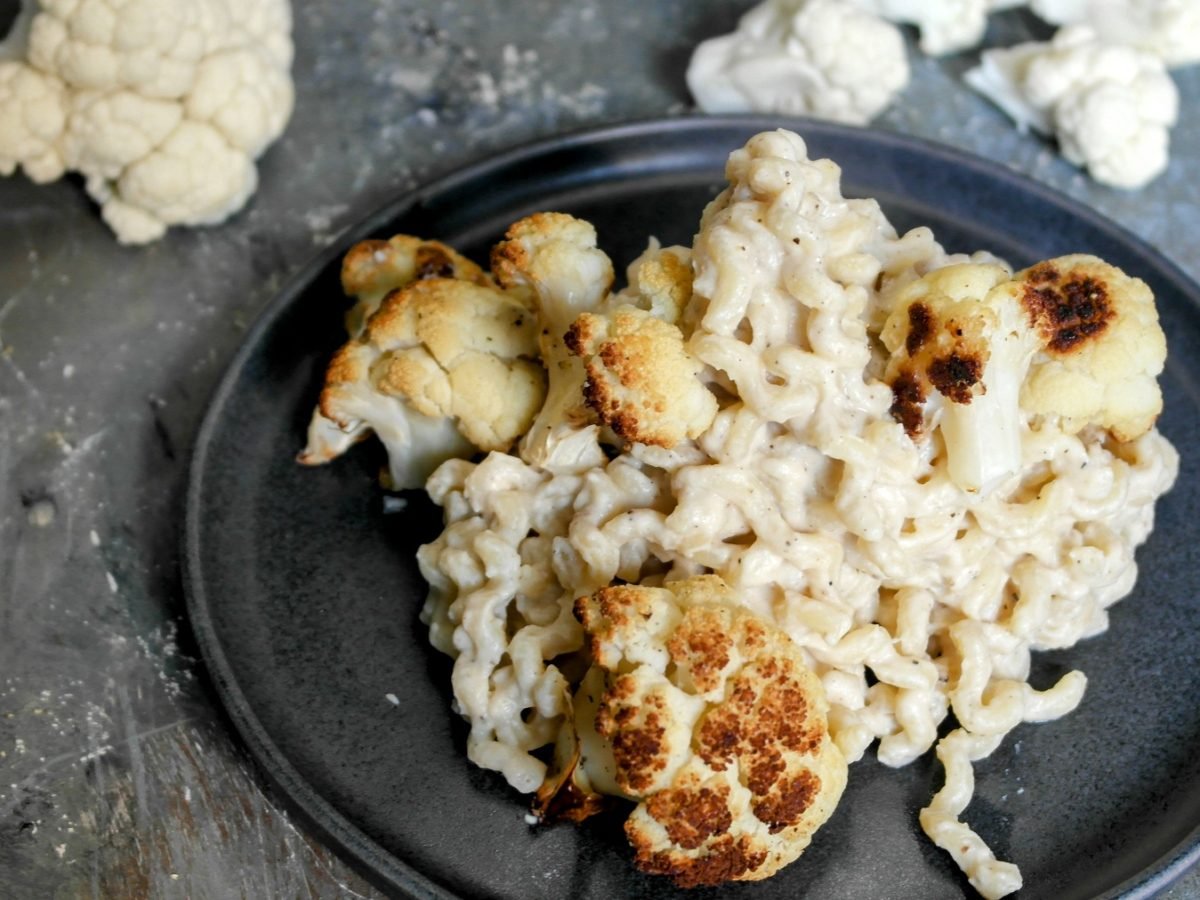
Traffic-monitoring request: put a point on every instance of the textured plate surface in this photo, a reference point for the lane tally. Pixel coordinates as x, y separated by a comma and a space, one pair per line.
304, 594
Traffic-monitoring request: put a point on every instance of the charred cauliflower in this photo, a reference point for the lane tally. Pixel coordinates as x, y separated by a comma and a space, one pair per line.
1072, 337
442, 367
709, 719
555, 256
372, 269
641, 382
660, 282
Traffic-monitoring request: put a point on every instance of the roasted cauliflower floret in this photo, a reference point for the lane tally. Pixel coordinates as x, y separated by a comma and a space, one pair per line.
1110, 105
823, 58
641, 382
709, 719
1170, 29
1071, 337
372, 269
555, 256
161, 106
442, 367
949, 26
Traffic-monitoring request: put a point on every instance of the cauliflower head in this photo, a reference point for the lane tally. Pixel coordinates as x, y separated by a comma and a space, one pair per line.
161, 105
1110, 106
824, 58
441, 368
641, 381
659, 281
555, 257
711, 721
1169, 29
977, 353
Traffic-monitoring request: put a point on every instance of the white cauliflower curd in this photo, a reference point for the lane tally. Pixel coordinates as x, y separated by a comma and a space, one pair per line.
162, 106
807, 488
823, 58
1168, 29
1110, 106
1072, 337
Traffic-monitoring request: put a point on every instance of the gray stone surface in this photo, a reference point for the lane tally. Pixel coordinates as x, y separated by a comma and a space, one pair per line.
117, 774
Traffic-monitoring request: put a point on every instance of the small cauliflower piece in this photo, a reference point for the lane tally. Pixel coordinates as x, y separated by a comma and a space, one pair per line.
441, 368
161, 105
949, 26
1110, 106
978, 352
641, 381
1102, 348
371, 270
374, 268
555, 257
659, 281
1169, 29
709, 719
33, 115
824, 58
955, 343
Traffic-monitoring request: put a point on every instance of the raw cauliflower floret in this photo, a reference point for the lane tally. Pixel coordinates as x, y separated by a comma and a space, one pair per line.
1110, 106
161, 105
441, 368
641, 381
1169, 29
979, 353
555, 257
947, 26
823, 58
710, 719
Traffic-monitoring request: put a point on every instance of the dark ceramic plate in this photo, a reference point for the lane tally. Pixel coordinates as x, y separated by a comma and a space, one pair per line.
304, 593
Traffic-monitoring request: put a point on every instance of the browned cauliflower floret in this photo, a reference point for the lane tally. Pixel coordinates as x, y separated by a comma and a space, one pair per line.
372, 269
555, 256
443, 366
641, 381
660, 281
1102, 347
709, 718
1073, 338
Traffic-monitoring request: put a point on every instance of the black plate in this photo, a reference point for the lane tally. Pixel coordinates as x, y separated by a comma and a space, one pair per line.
304, 594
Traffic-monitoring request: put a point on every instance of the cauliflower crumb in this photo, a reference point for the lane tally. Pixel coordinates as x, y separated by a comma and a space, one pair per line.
712, 721
824, 58
161, 105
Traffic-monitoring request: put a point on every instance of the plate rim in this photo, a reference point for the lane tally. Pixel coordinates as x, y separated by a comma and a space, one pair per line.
293, 791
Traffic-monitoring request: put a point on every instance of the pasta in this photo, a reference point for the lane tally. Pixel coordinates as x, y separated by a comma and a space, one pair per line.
911, 598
